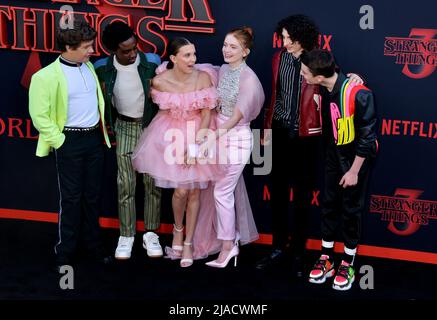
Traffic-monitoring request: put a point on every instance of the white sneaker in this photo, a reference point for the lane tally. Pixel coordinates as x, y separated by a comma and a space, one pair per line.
124, 248
151, 244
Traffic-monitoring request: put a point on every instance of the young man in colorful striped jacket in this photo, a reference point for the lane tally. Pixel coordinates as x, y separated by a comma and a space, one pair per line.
349, 126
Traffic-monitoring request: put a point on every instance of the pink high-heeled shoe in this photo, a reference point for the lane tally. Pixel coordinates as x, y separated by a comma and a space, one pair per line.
233, 253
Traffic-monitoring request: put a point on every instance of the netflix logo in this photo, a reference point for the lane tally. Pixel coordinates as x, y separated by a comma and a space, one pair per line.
421, 129
324, 41
315, 201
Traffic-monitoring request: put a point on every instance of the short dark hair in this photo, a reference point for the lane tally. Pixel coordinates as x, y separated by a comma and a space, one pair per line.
73, 37
300, 28
320, 62
173, 48
116, 33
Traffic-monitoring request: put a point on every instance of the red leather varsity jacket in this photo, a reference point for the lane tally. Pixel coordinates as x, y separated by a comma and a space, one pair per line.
310, 123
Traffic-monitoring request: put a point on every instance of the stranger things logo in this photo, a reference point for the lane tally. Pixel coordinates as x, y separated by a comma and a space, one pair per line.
417, 53
404, 212
34, 29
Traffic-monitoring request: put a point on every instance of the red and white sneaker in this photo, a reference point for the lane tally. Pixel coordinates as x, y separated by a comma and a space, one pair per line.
322, 270
345, 277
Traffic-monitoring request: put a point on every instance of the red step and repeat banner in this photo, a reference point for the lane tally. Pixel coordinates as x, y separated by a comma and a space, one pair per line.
393, 44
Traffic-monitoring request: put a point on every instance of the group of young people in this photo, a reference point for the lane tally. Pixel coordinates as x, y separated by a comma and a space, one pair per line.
186, 126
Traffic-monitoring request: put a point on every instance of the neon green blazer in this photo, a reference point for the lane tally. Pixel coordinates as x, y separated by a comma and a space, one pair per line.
48, 103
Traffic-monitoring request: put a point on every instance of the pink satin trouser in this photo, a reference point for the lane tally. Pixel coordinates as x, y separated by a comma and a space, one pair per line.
237, 146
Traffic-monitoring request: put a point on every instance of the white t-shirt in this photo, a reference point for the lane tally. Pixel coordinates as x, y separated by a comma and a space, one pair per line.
128, 96
83, 110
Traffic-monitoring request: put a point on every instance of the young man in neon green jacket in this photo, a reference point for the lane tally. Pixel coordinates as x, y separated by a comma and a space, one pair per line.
67, 107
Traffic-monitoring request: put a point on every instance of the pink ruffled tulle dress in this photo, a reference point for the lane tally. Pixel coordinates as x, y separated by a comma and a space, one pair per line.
162, 145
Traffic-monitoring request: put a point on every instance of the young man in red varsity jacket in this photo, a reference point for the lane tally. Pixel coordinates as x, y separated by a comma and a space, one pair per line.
294, 115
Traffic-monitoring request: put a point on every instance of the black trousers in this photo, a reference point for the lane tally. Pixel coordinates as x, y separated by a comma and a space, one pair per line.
342, 208
79, 163
294, 163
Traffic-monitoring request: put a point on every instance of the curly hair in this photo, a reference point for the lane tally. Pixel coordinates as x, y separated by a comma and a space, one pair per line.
300, 28
116, 33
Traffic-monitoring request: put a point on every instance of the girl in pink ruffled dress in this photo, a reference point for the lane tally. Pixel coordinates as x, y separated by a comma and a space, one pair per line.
185, 97
225, 213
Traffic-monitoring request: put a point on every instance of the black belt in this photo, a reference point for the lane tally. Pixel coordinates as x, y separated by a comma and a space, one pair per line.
77, 129
281, 124
129, 119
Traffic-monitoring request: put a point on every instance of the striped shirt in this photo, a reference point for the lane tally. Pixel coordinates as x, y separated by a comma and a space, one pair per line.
288, 93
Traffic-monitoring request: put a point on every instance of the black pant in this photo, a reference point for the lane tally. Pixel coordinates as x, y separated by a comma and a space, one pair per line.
294, 160
342, 207
79, 163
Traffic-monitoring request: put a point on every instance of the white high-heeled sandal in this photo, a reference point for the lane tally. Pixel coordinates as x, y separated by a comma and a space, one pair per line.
177, 248
186, 262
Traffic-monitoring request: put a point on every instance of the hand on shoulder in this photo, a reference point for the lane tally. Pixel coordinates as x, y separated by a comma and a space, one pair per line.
158, 82
204, 80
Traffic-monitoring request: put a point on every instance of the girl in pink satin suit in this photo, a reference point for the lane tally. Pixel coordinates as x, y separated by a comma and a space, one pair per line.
241, 98
185, 97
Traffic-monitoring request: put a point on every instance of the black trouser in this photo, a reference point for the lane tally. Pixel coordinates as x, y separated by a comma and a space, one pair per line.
342, 207
295, 160
79, 163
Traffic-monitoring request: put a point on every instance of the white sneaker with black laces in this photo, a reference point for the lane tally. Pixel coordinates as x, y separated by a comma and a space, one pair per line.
151, 244
124, 248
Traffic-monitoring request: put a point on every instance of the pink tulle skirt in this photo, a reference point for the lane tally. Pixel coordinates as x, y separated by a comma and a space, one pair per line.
161, 148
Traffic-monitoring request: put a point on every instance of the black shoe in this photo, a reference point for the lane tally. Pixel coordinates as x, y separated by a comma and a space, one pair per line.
57, 265
274, 258
297, 267
105, 260
55, 268
101, 257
